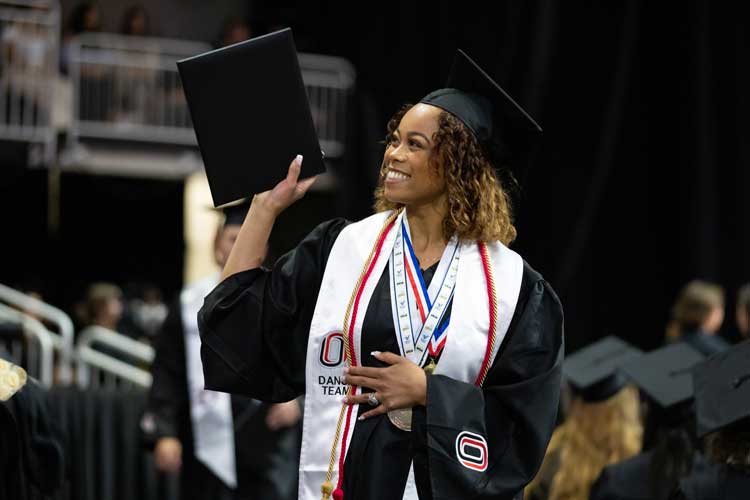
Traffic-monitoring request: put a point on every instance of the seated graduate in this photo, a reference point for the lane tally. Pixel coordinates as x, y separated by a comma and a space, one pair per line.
697, 315
445, 343
664, 379
32, 463
603, 425
722, 406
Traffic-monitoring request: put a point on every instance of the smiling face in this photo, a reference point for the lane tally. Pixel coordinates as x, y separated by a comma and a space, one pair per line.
410, 177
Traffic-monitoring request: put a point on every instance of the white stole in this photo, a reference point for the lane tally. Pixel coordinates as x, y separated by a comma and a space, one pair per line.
210, 411
461, 358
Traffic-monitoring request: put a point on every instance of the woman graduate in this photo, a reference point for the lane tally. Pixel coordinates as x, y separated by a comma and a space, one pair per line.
444, 345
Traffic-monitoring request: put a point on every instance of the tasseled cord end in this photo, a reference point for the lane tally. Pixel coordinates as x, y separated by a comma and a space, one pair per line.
326, 488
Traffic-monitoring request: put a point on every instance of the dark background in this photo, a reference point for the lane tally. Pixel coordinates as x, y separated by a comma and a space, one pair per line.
638, 187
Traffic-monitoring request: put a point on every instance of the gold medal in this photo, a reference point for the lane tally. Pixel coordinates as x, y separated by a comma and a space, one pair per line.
401, 419
430, 368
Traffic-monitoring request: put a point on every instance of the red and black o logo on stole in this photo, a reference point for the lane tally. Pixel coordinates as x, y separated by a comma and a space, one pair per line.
471, 451
332, 350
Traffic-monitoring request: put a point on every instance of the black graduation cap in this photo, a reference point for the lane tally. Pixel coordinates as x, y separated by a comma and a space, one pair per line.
665, 377
722, 389
497, 121
593, 372
251, 115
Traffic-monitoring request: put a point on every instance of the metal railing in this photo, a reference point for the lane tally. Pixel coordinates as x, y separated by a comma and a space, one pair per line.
128, 88
99, 359
38, 358
29, 54
62, 341
329, 82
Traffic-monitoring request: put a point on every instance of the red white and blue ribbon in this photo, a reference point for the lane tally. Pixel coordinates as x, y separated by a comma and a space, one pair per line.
418, 310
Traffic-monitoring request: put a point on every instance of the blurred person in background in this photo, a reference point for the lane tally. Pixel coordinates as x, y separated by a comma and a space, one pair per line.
722, 406
32, 462
103, 306
697, 315
603, 425
26, 58
84, 18
149, 311
671, 448
742, 312
225, 447
145, 312
136, 21
234, 30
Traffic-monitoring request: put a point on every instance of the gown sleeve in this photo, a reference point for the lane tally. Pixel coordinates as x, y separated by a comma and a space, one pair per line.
167, 404
254, 325
514, 412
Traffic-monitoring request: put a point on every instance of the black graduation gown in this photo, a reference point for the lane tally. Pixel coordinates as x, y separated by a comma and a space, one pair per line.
705, 343
719, 482
266, 460
254, 328
629, 479
31, 457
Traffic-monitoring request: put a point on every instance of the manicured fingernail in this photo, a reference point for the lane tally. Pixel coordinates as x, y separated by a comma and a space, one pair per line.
361, 417
344, 399
346, 370
375, 353
299, 160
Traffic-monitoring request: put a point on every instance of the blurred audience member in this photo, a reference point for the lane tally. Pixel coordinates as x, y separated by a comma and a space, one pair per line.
103, 306
136, 21
743, 311
85, 18
149, 311
234, 30
26, 45
26, 59
697, 315
722, 404
603, 426
225, 447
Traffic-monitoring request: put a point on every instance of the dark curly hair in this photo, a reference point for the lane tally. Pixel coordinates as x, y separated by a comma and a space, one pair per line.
478, 206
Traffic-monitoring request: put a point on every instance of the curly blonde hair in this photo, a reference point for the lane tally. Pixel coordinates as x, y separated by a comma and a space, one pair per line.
594, 435
478, 206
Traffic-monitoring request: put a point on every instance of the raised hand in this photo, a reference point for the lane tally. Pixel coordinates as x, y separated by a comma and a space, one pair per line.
287, 191
250, 247
283, 415
168, 454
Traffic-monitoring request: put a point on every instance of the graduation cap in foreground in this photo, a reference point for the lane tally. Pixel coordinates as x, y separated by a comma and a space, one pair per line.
594, 371
497, 121
250, 114
722, 389
665, 376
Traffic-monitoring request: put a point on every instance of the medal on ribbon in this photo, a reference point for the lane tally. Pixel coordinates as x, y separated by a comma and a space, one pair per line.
418, 310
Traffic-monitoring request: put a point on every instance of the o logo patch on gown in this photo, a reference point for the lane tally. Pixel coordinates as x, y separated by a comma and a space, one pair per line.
471, 451
332, 350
